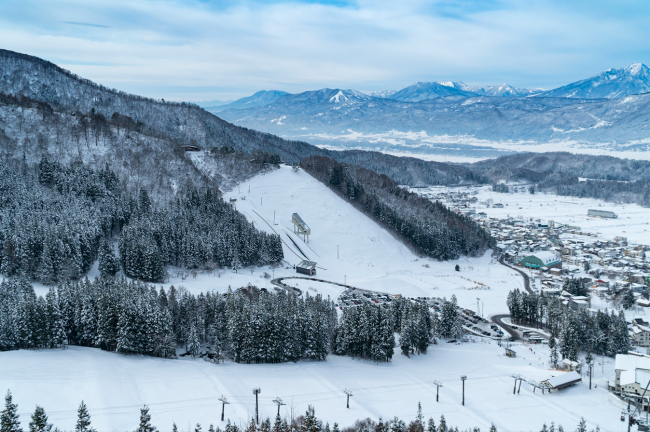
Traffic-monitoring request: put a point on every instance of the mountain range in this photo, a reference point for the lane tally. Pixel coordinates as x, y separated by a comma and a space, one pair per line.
611, 84
604, 109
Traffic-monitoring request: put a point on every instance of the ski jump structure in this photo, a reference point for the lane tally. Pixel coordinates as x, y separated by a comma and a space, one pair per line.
300, 227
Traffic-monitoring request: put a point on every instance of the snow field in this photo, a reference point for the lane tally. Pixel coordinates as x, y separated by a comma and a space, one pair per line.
186, 391
633, 220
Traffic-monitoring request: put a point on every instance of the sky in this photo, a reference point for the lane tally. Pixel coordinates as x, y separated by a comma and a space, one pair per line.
223, 50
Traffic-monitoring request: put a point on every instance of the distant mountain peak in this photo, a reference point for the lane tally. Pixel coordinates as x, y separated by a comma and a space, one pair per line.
382, 94
611, 84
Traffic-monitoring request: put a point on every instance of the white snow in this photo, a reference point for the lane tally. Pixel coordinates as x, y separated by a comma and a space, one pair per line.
186, 391
337, 97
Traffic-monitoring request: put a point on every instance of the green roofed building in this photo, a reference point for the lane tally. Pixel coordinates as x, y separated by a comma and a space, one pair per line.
542, 259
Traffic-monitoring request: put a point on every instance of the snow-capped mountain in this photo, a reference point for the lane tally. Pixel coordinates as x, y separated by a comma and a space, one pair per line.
323, 96
382, 93
431, 90
611, 84
318, 118
261, 98
503, 90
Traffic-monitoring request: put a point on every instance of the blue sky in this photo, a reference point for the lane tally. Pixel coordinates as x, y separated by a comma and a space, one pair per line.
202, 50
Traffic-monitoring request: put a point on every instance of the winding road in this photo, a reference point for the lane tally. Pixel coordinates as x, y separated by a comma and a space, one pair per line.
498, 319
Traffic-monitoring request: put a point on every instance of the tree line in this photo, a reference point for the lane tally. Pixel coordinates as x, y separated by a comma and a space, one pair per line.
430, 227
247, 325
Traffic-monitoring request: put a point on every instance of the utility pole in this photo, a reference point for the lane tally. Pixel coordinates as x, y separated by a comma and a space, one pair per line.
279, 402
273, 217
257, 391
349, 393
478, 308
438, 385
463, 378
590, 369
345, 280
224, 401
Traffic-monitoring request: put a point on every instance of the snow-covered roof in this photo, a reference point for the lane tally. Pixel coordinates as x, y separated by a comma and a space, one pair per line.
546, 257
564, 379
632, 362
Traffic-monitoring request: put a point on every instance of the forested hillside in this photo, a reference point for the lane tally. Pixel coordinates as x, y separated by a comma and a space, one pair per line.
604, 177
429, 227
54, 218
49, 107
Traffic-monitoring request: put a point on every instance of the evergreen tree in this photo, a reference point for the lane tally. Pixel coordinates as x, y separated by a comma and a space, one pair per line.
109, 264
582, 427
39, 421
145, 421
9, 417
628, 300
83, 419
442, 425
310, 422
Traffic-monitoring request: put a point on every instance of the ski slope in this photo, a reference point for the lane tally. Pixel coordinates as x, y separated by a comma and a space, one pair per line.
186, 391
368, 257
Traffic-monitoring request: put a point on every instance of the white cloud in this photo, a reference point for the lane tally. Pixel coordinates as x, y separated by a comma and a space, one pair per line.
199, 51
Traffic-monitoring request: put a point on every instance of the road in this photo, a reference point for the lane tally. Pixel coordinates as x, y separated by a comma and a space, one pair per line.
525, 276
497, 319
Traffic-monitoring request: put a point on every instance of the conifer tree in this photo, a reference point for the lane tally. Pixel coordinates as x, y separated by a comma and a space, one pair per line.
9, 417
39, 421
145, 421
83, 419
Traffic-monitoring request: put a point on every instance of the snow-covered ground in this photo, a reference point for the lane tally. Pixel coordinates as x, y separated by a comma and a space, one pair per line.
369, 257
186, 391
633, 220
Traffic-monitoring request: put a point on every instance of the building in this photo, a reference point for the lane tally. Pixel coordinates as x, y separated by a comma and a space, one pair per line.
632, 376
641, 333
541, 259
562, 381
306, 267
601, 213
300, 227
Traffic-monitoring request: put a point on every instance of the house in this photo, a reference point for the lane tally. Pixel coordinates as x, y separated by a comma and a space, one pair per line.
641, 333
570, 365
579, 302
632, 376
562, 381
541, 259
511, 353
306, 267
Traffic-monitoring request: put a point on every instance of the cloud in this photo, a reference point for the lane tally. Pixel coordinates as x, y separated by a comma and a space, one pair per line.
223, 50
86, 24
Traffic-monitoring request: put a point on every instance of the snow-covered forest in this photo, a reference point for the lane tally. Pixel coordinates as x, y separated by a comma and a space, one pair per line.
571, 331
55, 218
247, 325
